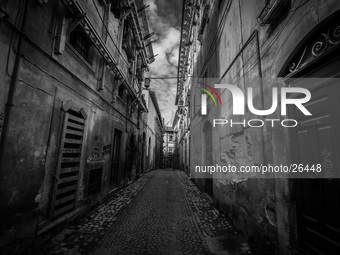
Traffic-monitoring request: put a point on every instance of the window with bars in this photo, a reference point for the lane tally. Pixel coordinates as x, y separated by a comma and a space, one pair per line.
80, 42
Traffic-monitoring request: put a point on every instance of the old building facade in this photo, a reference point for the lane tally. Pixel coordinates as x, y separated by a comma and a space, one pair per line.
251, 44
154, 134
72, 128
168, 147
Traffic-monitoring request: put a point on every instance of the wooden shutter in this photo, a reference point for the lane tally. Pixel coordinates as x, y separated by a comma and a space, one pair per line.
69, 158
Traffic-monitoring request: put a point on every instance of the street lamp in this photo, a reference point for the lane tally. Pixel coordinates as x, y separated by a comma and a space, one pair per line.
147, 80
147, 83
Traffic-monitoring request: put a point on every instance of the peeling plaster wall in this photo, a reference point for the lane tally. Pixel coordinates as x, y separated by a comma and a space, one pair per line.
263, 209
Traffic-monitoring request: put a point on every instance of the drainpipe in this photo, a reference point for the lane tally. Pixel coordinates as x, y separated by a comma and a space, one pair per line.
13, 85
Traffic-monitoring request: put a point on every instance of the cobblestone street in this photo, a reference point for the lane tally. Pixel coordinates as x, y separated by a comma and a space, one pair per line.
169, 127
161, 213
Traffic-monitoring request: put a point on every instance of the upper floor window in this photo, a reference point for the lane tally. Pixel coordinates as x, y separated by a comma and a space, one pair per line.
117, 7
129, 40
81, 43
121, 91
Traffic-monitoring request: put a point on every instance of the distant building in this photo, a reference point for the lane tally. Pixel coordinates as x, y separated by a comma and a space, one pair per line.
71, 110
168, 147
249, 44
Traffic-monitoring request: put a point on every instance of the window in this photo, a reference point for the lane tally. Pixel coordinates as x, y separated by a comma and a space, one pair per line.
121, 91
274, 12
116, 7
129, 40
140, 71
219, 3
80, 42
204, 21
132, 67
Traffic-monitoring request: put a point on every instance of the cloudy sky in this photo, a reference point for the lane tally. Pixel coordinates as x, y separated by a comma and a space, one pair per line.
165, 20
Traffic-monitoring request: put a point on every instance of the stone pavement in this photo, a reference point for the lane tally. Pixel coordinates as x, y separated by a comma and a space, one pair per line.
161, 213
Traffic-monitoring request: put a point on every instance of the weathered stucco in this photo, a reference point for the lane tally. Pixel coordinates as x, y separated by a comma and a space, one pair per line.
47, 83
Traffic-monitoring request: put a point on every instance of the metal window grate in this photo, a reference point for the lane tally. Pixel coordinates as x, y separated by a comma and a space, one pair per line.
79, 41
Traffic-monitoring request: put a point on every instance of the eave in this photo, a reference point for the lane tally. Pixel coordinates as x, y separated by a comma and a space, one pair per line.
186, 27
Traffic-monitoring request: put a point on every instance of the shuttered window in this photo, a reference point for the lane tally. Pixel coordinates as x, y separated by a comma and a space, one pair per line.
69, 158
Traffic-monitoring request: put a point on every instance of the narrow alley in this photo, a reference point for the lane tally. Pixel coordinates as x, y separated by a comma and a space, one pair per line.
169, 127
161, 213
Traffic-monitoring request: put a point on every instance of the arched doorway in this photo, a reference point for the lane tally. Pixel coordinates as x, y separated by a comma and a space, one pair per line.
316, 140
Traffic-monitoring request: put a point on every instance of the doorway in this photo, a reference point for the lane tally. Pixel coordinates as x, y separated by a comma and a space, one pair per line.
316, 140
115, 156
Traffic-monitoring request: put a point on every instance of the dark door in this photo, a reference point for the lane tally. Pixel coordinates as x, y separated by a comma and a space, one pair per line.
115, 156
316, 140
